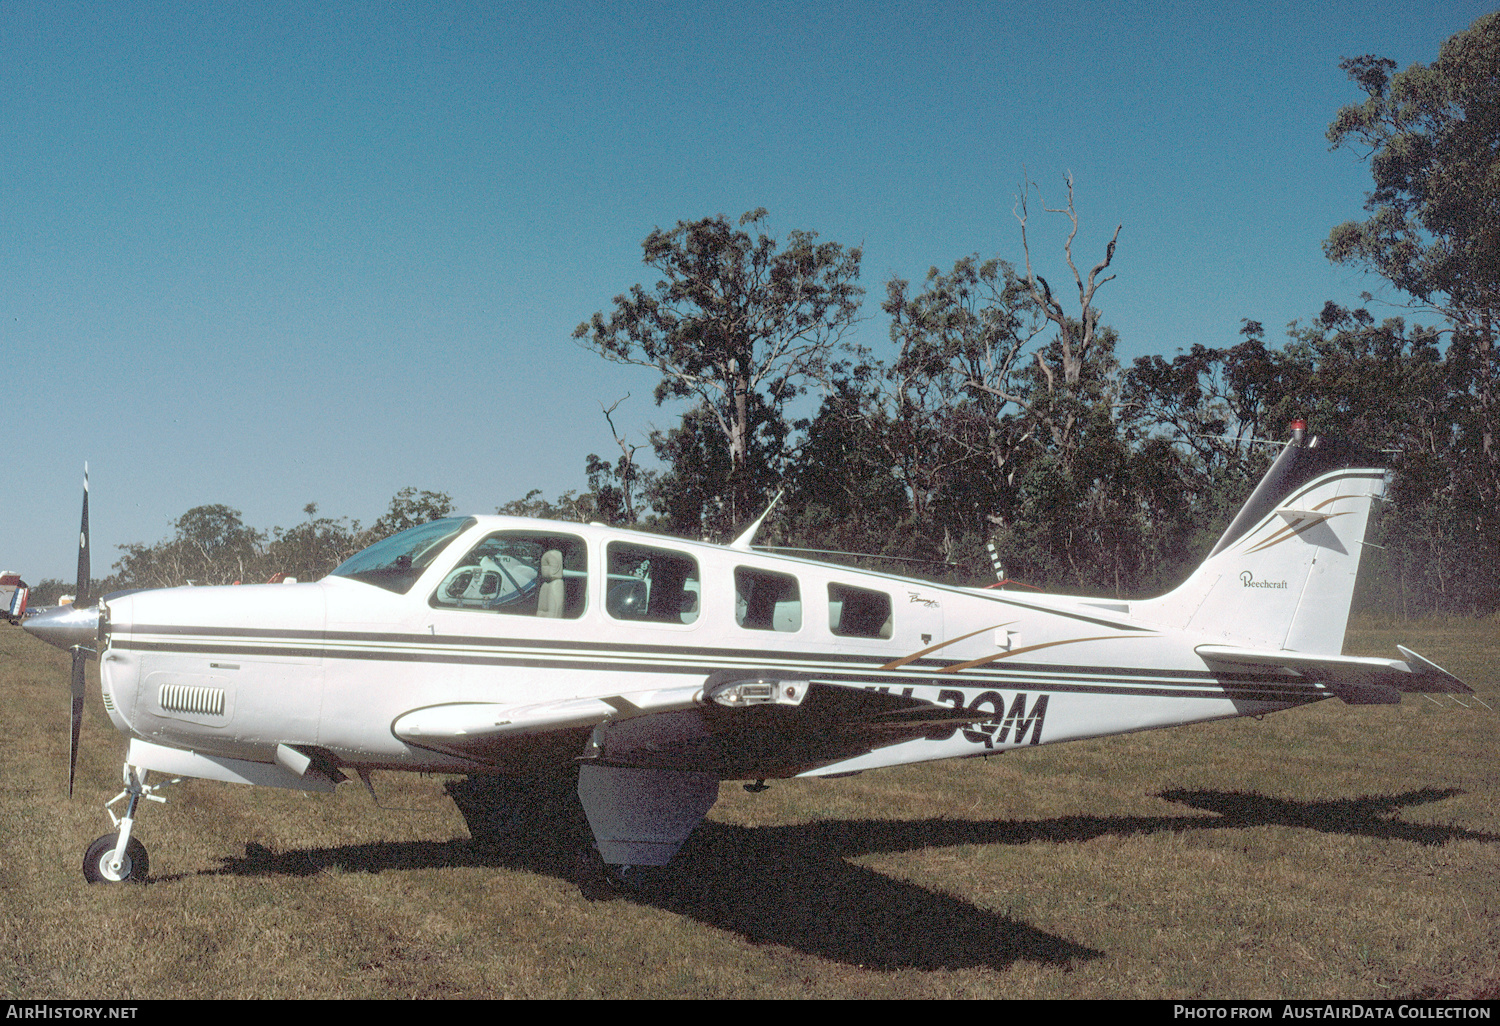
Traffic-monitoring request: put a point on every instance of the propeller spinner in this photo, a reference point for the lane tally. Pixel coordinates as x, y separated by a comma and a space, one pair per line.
75, 628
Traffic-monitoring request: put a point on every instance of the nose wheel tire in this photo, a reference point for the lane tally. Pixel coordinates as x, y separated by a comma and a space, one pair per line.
133, 867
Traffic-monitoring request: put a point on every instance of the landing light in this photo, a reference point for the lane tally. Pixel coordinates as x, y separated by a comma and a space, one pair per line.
738, 694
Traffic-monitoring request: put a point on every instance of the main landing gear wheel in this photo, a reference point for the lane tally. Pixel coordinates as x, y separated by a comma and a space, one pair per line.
133, 867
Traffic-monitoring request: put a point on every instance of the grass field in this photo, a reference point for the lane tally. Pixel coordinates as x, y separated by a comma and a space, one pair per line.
1329, 852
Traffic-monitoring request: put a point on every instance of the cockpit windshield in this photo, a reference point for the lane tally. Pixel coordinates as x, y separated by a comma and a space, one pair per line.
396, 562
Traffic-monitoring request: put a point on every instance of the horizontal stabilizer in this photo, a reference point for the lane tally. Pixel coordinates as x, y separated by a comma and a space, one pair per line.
1356, 679
1421, 664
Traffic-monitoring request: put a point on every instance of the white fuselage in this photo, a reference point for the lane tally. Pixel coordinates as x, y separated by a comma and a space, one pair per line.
234, 672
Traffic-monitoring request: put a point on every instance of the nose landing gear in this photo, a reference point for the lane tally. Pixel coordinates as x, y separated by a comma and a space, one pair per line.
119, 857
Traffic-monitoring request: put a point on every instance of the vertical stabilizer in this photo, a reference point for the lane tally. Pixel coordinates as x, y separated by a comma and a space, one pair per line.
1282, 576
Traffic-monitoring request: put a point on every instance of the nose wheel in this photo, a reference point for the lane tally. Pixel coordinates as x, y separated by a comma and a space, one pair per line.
101, 865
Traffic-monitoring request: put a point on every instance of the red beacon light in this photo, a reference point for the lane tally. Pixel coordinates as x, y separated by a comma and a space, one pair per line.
1299, 431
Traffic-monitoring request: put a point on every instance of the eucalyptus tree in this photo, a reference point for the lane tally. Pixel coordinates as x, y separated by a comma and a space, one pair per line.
210, 545
1431, 135
740, 325
309, 550
951, 404
1002, 403
408, 508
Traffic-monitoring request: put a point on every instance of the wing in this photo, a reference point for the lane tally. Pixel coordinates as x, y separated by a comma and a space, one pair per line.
738, 724
1358, 680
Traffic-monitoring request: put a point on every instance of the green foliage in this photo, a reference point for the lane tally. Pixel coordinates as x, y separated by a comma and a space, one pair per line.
312, 548
409, 508
741, 326
570, 506
696, 493
1432, 133
954, 402
47, 591
845, 468
212, 545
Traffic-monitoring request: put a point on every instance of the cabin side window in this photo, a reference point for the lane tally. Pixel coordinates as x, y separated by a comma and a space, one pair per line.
524, 573
858, 612
651, 584
766, 601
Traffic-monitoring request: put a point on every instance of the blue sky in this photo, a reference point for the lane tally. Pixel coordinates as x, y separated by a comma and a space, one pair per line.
271, 254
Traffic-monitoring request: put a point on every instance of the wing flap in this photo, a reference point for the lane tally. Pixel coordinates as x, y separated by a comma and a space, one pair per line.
830, 722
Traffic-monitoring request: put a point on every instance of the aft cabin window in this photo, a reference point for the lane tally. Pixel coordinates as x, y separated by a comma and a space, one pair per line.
765, 601
650, 584
858, 613
524, 573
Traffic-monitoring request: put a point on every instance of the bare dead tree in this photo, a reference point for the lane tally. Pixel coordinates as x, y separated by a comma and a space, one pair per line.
625, 471
1075, 337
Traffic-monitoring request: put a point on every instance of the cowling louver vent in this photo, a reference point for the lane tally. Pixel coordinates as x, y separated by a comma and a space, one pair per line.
185, 698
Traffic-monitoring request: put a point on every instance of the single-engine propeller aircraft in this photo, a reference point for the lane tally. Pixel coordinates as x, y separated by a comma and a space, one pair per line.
650, 669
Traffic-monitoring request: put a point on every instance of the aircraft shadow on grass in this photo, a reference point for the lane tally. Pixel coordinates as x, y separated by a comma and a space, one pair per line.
795, 886
1369, 816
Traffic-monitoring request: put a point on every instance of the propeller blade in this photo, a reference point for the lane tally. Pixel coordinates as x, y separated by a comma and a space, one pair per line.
80, 660
80, 664
82, 599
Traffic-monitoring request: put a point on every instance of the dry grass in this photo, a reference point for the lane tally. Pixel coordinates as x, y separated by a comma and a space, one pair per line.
1329, 852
